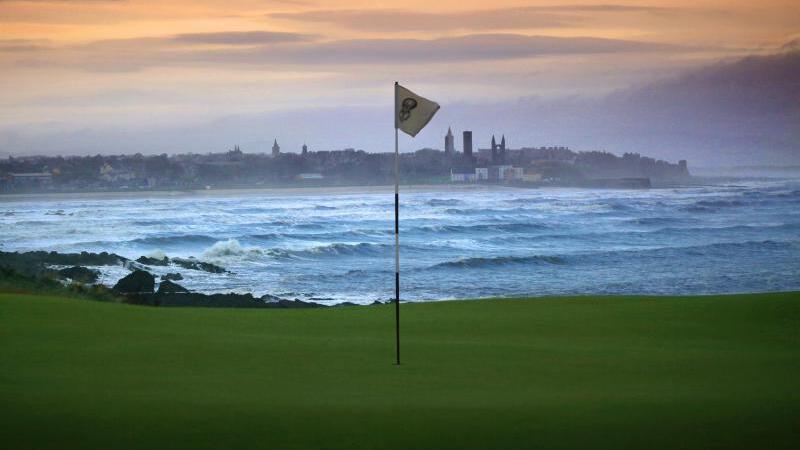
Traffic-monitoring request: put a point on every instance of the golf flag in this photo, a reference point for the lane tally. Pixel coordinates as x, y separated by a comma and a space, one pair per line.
412, 112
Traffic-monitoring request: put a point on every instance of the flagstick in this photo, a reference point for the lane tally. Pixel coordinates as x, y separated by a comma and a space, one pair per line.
396, 236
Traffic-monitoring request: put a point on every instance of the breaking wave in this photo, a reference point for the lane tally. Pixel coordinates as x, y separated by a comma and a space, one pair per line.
231, 247
336, 249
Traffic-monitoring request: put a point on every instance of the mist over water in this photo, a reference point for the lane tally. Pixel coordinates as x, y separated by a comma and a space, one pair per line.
454, 244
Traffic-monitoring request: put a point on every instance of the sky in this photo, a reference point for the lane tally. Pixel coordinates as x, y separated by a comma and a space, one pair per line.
112, 76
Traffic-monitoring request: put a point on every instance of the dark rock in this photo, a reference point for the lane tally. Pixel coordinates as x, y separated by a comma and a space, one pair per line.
137, 281
269, 298
167, 286
198, 265
80, 274
153, 261
133, 265
35, 263
172, 276
292, 304
213, 300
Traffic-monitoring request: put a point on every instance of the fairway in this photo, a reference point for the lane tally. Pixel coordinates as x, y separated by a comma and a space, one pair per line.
550, 373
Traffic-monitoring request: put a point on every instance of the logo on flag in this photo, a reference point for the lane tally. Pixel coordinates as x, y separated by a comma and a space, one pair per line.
412, 112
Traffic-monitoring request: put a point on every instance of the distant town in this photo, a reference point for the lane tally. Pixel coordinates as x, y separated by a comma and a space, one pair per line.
497, 163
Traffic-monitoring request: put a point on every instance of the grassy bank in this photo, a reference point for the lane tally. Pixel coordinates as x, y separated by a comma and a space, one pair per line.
686, 372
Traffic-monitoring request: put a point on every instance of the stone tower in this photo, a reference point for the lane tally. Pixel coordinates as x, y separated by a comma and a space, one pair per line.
449, 143
276, 149
468, 144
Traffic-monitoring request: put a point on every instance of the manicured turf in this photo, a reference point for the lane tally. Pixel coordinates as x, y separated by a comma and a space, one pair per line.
566, 373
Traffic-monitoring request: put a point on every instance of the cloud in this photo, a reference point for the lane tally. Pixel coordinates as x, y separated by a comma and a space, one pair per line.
478, 47
23, 45
743, 112
397, 20
135, 54
393, 20
240, 38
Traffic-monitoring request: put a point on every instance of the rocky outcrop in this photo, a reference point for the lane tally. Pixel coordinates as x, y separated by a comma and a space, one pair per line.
194, 264
136, 282
80, 274
146, 260
230, 300
172, 276
34, 264
167, 287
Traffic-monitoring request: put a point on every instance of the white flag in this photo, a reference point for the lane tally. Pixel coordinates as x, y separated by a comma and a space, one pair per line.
412, 112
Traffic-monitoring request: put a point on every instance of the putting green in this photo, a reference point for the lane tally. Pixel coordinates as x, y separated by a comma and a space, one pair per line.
549, 373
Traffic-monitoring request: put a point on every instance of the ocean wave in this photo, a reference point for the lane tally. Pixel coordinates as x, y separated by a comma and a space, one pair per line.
479, 262
616, 206
500, 227
726, 250
719, 203
488, 211
444, 202
330, 236
525, 201
728, 229
721, 250
324, 208
698, 209
252, 210
654, 221
229, 248
175, 239
335, 249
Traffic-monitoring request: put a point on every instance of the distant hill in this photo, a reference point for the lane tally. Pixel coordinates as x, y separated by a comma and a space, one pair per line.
731, 113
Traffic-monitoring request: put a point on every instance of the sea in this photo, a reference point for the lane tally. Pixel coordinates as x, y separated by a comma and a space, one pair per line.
725, 237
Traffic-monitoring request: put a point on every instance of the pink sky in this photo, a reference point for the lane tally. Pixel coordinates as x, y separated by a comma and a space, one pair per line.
126, 64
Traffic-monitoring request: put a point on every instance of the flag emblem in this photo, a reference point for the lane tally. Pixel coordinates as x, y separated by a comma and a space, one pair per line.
412, 111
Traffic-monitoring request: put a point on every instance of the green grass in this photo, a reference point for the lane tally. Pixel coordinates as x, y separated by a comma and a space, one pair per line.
553, 373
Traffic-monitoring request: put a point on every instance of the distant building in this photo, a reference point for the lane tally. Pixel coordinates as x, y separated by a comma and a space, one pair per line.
305, 149
468, 144
458, 176
529, 176
482, 173
499, 151
276, 149
32, 176
503, 172
29, 179
449, 143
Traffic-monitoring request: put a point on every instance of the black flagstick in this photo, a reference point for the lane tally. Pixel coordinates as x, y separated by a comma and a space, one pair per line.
396, 233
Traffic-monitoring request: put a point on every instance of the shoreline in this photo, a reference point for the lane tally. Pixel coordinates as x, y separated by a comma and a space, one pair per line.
265, 191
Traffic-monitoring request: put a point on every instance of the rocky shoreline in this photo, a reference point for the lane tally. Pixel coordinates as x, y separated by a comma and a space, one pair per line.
69, 271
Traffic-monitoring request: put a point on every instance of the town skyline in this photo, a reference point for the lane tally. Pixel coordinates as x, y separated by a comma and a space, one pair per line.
142, 76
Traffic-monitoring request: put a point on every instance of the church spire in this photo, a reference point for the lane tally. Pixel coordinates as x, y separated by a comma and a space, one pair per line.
276, 149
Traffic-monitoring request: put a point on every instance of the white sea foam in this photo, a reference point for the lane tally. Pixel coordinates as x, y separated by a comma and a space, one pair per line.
228, 249
157, 254
487, 243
